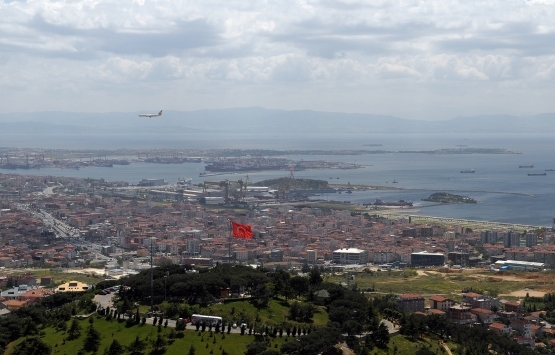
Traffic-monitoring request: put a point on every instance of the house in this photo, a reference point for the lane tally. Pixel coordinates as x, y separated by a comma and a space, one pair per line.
499, 328
74, 286
35, 295
516, 307
484, 315
525, 341
436, 312
441, 303
14, 293
12, 305
524, 327
46, 280
411, 302
479, 301
460, 314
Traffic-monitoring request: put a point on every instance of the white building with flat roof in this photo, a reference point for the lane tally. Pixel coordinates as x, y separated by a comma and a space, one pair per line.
350, 256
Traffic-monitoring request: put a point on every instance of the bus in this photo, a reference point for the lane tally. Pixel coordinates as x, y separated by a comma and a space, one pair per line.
199, 318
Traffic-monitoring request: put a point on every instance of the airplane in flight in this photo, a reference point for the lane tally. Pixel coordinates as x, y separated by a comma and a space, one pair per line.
150, 115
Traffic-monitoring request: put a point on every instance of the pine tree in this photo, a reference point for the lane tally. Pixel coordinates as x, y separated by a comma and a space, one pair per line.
92, 340
32, 346
74, 330
192, 350
159, 344
115, 348
136, 347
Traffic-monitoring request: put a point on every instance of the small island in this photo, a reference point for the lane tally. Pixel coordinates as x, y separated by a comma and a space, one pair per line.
444, 197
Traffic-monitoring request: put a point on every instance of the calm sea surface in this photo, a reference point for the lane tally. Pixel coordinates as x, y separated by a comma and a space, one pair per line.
506, 193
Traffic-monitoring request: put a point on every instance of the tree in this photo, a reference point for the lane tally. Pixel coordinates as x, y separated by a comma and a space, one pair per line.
159, 344
319, 341
62, 325
381, 337
30, 328
192, 350
74, 330
115, 348
136, 347
92, 340
299, 284
32, 346
315, 277
256, 348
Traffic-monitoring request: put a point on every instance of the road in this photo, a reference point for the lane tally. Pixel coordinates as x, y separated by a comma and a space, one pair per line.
63, 230
106, 301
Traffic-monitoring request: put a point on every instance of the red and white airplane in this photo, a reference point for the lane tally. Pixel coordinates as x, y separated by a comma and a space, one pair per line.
150, 115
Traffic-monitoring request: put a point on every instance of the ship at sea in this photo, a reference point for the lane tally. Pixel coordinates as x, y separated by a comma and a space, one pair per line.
526, 166
537, 174
468, 171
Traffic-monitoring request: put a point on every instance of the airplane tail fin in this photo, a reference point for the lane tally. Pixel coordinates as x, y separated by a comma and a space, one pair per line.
160, 113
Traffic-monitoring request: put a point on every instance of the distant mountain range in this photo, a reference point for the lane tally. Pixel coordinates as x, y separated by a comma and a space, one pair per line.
259, 120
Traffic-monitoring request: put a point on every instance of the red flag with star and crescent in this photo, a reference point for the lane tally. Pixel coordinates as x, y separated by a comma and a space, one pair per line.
241, 230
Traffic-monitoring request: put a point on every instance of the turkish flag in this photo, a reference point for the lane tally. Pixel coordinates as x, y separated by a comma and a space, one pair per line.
241, 230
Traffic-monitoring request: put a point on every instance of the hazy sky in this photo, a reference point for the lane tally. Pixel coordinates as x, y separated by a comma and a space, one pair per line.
432, 59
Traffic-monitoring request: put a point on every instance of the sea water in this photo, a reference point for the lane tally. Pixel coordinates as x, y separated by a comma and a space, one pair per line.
506, 193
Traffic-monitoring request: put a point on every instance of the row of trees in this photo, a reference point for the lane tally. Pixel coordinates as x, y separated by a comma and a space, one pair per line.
471, 340
50, 311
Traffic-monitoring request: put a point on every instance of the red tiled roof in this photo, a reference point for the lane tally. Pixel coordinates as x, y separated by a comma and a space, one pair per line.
438, 298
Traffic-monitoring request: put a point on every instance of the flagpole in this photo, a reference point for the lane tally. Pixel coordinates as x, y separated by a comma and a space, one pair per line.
230, 234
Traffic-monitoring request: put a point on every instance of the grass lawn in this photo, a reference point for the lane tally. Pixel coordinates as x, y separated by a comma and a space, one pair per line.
59, 277
406, 346
429, 283
276, 312
204, 343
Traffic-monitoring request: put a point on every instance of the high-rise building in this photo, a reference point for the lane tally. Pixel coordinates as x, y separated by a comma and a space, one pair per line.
488, 237
311, 256
193, 246
531, 239
512, 239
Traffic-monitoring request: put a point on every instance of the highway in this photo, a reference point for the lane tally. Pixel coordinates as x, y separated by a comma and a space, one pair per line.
65, 231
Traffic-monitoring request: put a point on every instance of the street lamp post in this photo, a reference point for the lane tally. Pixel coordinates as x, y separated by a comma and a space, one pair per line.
151, 281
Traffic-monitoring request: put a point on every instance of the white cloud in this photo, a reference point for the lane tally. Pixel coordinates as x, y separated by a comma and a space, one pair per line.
312, 50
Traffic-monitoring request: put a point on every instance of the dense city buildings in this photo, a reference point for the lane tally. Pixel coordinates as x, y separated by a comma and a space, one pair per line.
63, 222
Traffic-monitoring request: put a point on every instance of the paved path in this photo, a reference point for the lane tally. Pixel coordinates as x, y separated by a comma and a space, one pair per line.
445, 347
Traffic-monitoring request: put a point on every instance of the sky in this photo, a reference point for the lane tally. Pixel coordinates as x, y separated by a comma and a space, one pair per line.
430, 60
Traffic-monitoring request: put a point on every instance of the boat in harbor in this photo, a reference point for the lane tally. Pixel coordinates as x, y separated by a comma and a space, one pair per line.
468, 171
184, 181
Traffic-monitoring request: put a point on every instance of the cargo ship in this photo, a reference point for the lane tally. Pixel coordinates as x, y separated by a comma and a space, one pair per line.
537, 174
468, 171
526, 166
